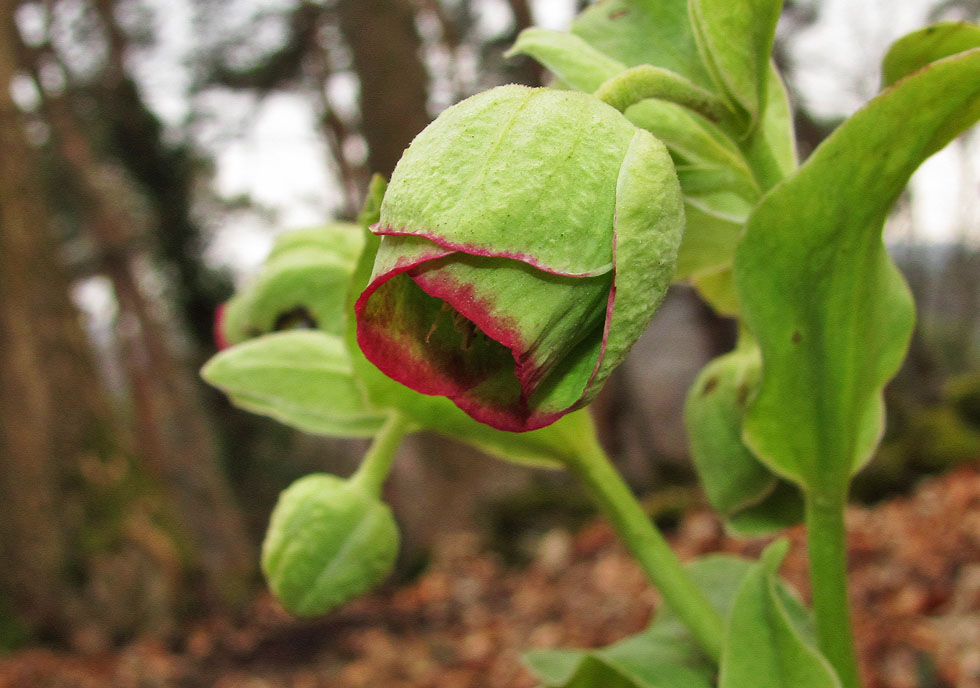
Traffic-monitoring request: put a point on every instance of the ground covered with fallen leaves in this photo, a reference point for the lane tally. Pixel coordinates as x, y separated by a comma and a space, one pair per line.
463, 623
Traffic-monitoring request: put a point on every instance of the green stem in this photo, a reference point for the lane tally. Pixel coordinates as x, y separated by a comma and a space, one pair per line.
592, 466
828, 578
639, 83
376, 464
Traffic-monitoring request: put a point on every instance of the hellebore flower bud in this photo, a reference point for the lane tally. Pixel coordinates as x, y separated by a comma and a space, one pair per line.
302, 284
329, 540
528, 235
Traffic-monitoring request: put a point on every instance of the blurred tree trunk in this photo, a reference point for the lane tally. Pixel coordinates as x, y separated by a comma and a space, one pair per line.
174, 435
386, 49
175, 432
52, 410
32, 322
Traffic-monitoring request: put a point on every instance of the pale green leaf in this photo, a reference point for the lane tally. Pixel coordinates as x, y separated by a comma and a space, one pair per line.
752, 500
568, 57
709, 243
732, 477
700, 179
717, 288
771, 148
724, 204
735, 39
829, 309
782, 508
764, 648
694, 140
302, 378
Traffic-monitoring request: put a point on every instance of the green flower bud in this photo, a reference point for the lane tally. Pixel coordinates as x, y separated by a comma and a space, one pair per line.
528, 235
328, 541
303, 283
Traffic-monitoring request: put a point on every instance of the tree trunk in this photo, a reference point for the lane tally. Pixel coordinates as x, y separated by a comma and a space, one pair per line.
31, 320
52, 412
386, 49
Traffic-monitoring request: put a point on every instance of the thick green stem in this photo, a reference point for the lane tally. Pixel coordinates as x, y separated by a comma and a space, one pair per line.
592, 466
376, 464
828, 578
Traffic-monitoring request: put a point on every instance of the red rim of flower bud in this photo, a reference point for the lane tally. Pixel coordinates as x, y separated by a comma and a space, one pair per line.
420, 373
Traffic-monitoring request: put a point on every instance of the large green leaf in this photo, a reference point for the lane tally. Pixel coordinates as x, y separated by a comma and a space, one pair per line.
302, 378
827, 306
637, 32
919, 48
764, 646
736, 39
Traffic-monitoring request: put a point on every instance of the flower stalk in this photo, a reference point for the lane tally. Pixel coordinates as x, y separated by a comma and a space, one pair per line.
592, 466
827, 545
376, 464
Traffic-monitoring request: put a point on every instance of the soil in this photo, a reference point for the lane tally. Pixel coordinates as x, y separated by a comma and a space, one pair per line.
463, 623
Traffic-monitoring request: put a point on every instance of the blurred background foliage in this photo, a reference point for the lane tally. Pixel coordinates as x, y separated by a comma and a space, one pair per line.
132, 497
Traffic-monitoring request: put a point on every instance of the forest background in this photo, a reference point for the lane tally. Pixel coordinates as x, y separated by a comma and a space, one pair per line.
149, 153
